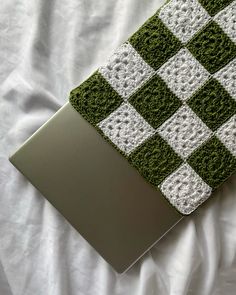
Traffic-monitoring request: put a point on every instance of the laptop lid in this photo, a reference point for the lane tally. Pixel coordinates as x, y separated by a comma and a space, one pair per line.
95, 188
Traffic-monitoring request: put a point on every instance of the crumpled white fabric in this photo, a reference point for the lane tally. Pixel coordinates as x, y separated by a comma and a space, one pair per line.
46, 49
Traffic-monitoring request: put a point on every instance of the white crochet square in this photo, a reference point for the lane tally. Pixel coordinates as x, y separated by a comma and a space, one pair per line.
126, 128
227, 77
126, 70
185, 189
226, 19
227, 134
184, 18
184, 131
183, 74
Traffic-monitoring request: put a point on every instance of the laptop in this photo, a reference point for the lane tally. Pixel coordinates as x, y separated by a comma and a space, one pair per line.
95, 188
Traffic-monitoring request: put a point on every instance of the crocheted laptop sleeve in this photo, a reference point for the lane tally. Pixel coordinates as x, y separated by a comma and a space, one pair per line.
166, 99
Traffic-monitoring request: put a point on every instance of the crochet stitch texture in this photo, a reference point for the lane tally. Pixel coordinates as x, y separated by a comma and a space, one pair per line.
166, 99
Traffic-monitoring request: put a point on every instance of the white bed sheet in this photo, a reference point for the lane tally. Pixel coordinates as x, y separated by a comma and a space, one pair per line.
47, 48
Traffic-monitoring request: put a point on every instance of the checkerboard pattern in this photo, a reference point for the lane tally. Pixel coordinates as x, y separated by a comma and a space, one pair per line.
166, 99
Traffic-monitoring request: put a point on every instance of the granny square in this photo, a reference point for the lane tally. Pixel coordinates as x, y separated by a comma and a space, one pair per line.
155, 101
184, 18
184, 131
166, 100
154, 42
213, 162
95, 98
213, 104
183, 74
212, 47
185, 189
126, 70
155, 159
126, 128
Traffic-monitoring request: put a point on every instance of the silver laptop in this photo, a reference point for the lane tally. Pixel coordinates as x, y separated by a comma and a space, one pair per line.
95, 188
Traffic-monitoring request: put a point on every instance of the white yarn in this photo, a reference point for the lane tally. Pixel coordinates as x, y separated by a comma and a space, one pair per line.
126, 70
184, 18
184, 131
185, 189
183, 74
126, 128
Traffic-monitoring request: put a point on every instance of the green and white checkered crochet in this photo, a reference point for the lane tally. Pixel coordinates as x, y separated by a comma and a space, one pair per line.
166, 99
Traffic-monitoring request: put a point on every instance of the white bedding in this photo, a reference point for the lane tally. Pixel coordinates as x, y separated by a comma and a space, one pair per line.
47, 48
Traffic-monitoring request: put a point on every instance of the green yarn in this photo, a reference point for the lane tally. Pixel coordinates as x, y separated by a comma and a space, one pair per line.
213, 162
212, 47
213, 104
95, 99
154, 42
155, 102
155, 159
214, 6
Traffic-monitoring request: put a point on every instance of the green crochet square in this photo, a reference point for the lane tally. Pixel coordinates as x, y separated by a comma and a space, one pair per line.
155, 159
213, 104
212, 47
154, 42
155, 102
214, 6
213, 162
95, 99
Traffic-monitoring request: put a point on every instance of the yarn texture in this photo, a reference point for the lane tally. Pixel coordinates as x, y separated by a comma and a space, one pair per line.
166, 99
